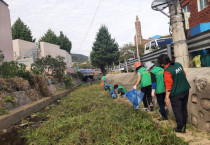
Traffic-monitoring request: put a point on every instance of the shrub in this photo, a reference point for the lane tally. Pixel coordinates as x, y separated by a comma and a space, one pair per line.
68, 81
9, 99
14, 69
80, 75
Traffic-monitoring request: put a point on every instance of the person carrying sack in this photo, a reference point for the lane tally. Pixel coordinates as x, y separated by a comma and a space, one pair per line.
159, 91
144, 81
177, 89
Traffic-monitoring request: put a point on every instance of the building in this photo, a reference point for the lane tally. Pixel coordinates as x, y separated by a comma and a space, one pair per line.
197, 24
54, 51
197, 16
5, 32
139, 38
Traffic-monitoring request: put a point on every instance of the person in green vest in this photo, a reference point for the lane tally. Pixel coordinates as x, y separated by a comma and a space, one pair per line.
120, 90
104, 79
144, 81
108, 87
159, 90
177, 89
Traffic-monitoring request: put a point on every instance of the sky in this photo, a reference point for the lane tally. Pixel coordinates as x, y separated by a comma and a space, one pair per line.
74, 17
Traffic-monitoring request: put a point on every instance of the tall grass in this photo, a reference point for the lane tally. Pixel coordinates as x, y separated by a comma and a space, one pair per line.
87, 117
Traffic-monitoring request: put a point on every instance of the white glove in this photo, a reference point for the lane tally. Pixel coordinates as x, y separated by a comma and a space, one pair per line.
153, 93
134, 87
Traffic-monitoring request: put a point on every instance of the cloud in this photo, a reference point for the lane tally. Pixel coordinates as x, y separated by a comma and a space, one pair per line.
73, 17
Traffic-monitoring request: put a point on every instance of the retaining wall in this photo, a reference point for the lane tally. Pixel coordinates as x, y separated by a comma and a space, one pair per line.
199, 97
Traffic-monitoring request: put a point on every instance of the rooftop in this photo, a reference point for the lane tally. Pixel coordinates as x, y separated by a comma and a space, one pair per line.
4, 2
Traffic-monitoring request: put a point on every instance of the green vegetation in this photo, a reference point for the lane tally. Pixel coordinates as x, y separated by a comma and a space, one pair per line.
21, 31
105, 50
61, 40
1, 56
9, 99
79, 58
55, 65
14, 69
129, 51
86, 116
3, 111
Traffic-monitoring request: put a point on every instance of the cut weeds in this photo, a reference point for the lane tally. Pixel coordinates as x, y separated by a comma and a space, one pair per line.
87, 117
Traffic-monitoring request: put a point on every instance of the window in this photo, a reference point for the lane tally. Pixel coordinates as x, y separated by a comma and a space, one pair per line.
153, 45
202, 4
147, 46
163, 42
186, 8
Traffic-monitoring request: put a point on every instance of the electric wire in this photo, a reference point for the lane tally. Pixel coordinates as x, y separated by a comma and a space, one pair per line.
89, 26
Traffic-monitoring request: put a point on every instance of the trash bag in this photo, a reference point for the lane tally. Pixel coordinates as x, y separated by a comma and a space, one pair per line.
135, 97
113, 94
197, 61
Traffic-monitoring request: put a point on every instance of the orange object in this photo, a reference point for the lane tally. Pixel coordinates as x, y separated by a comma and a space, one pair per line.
102, 84
137, 64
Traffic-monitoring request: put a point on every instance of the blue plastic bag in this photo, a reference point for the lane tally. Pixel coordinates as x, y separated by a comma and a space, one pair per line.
135, 97
113, 94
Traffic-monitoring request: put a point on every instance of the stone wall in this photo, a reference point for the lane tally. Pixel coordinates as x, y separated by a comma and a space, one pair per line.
199, 97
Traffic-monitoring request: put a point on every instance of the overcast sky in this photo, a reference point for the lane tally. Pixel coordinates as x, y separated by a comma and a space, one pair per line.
73, 17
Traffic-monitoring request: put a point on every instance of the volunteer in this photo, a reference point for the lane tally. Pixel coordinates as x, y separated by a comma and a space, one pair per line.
144, 81
177, 89
159, 91
120, 90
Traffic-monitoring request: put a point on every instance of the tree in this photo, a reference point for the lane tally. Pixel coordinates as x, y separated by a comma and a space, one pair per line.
127, 51
49, 37
64, 42
1, 57
105, 50
21, 31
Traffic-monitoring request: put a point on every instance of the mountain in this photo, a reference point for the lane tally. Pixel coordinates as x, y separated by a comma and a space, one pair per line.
79, 58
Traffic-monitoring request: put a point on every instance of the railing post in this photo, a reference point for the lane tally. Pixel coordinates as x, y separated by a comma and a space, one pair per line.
126, 63
169, 51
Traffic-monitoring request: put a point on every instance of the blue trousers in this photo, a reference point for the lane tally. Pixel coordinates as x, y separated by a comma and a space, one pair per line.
162, 104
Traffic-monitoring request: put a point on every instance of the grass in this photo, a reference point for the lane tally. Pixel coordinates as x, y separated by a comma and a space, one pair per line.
86, 116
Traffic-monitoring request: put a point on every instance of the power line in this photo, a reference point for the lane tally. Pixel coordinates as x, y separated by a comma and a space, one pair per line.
90, 25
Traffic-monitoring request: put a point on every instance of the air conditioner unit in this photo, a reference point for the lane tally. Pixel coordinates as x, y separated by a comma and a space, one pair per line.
186, 19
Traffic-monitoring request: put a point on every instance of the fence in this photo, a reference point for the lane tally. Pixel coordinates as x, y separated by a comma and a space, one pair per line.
143, 58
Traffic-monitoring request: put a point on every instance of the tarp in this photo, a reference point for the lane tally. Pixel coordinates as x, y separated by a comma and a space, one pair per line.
135, 97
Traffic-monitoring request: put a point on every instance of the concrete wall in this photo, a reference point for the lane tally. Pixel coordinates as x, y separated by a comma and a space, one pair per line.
199, 97
5, 32
54, 51
21, 48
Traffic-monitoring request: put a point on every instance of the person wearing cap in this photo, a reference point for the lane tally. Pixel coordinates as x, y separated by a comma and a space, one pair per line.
144, 81
177, 89
107, 87
120, 90
159, 90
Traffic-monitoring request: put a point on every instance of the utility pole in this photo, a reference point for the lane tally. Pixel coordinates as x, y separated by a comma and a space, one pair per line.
137, 47
179, 38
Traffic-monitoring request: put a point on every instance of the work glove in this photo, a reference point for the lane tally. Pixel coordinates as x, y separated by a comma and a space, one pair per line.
153, 93
134, 87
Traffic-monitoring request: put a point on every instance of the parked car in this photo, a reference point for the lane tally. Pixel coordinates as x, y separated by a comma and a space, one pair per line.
157, 44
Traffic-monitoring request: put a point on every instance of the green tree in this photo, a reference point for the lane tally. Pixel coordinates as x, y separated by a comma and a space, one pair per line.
105, 50
64, 42
21, 31
49, 37
1, 57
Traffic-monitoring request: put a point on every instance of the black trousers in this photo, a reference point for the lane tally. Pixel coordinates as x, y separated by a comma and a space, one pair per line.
147, 99
162, 104
179, 106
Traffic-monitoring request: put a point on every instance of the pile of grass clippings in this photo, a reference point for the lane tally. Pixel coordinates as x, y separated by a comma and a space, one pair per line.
87, 117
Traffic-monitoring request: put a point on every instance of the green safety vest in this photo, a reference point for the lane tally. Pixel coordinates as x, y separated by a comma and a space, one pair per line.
159, 74
145, 78
180, 83
104, 77
121, 90
108, 88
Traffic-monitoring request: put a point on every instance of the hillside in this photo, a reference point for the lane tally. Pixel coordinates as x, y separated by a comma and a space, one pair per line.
79, 58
